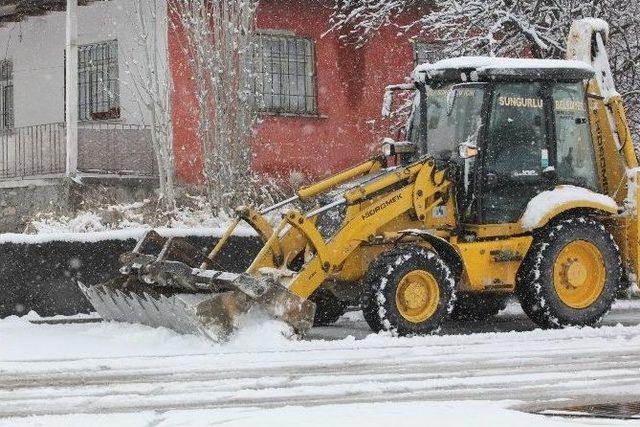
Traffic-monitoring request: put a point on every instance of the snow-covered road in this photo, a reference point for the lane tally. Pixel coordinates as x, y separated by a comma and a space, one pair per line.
114, 374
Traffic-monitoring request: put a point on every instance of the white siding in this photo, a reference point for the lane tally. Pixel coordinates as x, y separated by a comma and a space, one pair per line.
36, 47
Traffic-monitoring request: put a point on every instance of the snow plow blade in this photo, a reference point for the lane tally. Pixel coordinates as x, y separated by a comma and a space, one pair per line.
176, 289
213, 315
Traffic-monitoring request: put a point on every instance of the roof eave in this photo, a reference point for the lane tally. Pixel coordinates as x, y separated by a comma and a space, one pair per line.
16, 11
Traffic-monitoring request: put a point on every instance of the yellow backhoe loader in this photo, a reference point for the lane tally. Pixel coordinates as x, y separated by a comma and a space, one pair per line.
517, 176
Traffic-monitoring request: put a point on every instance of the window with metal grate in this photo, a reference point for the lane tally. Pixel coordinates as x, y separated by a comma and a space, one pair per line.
425, 52
286, 81
6, 95
98, 86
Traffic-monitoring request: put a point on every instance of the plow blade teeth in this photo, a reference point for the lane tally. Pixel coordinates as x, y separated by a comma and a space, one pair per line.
213, 315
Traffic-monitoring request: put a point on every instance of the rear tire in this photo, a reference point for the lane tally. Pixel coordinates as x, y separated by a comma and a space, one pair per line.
478, 307
571, 274
328, 307
408, 290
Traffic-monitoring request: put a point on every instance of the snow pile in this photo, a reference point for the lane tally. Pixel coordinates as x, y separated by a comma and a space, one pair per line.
257, 332
450, 414
23, 341
127, 221
545, 202
127, 216
84, 222
260, 332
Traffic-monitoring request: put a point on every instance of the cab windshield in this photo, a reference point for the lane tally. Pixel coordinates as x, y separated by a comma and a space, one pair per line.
445, 117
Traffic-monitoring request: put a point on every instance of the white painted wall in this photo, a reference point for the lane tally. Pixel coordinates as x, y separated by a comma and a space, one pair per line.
36, 47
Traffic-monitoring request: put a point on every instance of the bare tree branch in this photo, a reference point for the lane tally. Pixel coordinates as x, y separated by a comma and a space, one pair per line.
220, 41
503, 28
146, 63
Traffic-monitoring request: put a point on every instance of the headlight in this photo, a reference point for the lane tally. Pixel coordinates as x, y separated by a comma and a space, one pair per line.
388, 149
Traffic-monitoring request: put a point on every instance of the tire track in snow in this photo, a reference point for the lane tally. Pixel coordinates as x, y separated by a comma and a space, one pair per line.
529, 366
16, 382
478, 373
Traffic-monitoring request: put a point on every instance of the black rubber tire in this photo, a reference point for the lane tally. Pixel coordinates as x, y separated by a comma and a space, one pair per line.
382, 279
535, 288
328, 307
477, 307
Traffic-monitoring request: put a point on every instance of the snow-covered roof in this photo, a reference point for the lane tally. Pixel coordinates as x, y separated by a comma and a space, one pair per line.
474, 67
487, 62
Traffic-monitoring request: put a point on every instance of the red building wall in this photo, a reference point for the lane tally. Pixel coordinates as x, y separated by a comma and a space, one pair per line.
350, 85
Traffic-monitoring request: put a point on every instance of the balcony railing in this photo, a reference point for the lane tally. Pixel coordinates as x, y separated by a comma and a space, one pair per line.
32, 151
103, 149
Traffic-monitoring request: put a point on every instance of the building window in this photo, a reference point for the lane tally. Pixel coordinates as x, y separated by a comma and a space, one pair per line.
424, 52
6, 94
286, 81
98, 89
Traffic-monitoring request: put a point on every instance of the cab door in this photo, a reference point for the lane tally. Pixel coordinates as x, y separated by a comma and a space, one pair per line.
515, 158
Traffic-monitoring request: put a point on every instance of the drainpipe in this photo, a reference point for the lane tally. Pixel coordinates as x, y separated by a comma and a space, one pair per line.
71, 91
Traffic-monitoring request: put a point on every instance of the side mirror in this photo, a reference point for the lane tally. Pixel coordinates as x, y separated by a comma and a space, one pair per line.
392, 148
467, 151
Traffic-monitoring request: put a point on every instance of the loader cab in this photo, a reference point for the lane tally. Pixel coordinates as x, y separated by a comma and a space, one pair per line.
514, 129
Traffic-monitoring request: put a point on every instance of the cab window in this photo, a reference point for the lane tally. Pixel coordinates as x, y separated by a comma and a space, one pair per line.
575, 157
517, 131
516, 151
454, 116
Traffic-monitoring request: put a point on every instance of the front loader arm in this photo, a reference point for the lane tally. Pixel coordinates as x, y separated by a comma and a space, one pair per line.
276, 250
340, 178
414, 188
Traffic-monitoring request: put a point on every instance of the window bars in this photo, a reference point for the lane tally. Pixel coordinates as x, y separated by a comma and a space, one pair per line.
6, 95
98, 88
424, 52
286, 75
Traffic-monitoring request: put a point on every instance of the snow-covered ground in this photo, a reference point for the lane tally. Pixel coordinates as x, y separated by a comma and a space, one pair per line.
115, 374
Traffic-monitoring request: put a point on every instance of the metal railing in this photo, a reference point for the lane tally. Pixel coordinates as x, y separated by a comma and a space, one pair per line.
32, 151
103, 149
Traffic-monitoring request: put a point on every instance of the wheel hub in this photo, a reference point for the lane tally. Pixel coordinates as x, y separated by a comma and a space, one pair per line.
575, 274
417, 296
579, 274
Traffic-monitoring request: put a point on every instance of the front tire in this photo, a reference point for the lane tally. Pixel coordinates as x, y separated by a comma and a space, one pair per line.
571, 275
408, 290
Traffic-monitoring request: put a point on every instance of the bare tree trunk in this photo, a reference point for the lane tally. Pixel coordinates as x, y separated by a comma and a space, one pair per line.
221, 44
147, 65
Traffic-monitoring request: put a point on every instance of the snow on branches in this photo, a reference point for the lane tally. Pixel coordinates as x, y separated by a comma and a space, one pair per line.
501, 28
220, 44
487, 27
